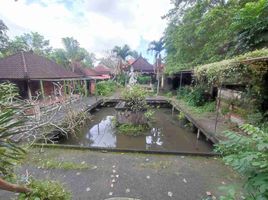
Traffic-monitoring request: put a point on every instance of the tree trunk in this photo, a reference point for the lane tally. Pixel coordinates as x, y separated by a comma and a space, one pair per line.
4, 185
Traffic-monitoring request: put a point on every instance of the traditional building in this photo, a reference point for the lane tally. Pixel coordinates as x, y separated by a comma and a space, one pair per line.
33, 73
142, 65
92, 76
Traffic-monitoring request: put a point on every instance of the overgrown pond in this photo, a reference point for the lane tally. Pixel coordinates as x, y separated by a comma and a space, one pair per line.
165, 134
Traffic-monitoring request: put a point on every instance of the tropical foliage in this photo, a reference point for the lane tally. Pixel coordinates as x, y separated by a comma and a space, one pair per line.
242, 70
32, 41
71, 55
105, 88
197, 33
248, 154
45, 189
10, 121
143, 79
3, 36
135, 98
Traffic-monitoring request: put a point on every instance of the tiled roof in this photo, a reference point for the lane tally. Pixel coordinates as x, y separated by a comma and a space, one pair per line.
85, 72
141, 64
27, 65
102, 69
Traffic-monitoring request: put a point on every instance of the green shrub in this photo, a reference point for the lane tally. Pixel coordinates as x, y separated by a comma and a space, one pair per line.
248, 154
104, 88
168, 94
207, 107
197, 97
45, 190
135, 98
143, 79
194, 96
122, 79
183, 92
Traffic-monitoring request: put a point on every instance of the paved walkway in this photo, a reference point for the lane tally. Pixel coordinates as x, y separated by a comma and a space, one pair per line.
141, 176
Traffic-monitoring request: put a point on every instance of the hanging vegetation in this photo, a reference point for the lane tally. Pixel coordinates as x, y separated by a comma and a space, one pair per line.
197, 34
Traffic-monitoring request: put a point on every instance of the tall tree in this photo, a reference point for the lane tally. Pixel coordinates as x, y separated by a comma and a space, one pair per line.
3, 36
59, 56
75, 54
121, 53
32, 41
135, 54
197, 34
157, 47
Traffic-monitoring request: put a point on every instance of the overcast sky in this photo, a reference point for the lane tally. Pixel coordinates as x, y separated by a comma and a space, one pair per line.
98, 25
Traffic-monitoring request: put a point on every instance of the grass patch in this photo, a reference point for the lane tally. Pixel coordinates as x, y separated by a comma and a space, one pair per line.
206, 108
132, 129
66, 165
45, 189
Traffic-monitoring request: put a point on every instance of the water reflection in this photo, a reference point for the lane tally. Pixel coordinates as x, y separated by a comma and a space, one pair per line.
165, 134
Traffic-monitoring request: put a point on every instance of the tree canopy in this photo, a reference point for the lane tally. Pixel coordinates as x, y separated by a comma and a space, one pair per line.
3, 36
32, 41
202, 31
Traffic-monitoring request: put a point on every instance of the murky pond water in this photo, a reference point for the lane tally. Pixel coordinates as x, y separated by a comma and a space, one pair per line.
165, 134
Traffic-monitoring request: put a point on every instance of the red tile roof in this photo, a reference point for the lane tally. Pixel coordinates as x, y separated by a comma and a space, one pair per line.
27, 65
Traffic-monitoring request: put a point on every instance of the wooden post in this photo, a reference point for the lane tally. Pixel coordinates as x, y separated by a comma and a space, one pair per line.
172, 111
86, 89
198, 134
162, 80
29, 90
42, 89
180, 81
218, 107
65, 87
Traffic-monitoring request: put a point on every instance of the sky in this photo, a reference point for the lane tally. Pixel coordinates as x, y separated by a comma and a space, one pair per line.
98, 25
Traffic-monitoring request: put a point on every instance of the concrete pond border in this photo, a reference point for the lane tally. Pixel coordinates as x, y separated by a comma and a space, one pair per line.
172, 104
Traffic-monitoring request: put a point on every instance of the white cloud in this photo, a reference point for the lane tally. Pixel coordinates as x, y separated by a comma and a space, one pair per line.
97, 24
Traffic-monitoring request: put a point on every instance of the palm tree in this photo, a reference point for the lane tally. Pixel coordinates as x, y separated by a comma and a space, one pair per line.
121, 53
157, 47
73, 51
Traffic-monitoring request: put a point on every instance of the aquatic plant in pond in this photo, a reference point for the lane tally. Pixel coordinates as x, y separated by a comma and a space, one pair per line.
130, 113
131, 129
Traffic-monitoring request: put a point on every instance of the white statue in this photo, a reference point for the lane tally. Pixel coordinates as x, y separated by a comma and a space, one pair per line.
133, 78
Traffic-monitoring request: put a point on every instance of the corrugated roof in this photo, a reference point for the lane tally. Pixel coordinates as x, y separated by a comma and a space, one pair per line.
27, 65
141, 64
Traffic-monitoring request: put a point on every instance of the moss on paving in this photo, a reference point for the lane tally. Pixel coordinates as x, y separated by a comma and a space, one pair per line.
51, 160
165, 171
